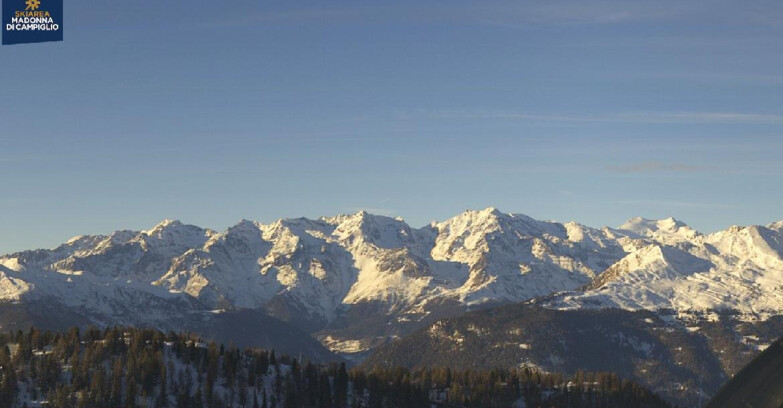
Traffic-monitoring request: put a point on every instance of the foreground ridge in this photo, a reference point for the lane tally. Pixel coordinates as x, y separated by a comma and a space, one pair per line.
124, 366
759, 384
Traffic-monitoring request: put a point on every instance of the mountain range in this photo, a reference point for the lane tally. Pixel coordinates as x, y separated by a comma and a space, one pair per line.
354, 283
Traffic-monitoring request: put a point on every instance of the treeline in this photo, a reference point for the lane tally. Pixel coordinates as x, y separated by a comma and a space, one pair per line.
127, 367
505, 388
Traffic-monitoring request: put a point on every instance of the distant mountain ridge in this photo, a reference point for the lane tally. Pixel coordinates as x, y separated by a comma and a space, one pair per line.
355, 281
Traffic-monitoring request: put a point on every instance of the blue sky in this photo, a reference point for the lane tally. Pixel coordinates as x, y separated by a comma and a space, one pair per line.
216, 111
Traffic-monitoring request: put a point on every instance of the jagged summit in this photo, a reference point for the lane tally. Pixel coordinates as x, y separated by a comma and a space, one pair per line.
491, 218
357, 217
161, 227
644, 227
668, 230
349, 275
245, 223
776, 225
75, 239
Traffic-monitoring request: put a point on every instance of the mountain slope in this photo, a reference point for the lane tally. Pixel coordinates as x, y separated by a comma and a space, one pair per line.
739, 269
685, 364
355, 281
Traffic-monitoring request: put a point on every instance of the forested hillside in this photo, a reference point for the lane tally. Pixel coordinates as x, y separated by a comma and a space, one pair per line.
126, 367
670, 360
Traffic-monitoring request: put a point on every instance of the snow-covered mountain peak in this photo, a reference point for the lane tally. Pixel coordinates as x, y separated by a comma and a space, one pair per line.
667, 230
351, 266
480, 230
778, 226
75, 240
244, 222
644, 226
356, 218
80, 243
245, 226
172, 237
161, 226
678, 260
648, 265
579, 233
494, 216
673, 267
379, 230
244, 237
492, 211
244, 230
762, 246
474, 221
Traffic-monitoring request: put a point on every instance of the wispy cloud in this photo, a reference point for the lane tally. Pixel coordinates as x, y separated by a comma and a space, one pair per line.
749, 78
655, 166
628, 117
701, 117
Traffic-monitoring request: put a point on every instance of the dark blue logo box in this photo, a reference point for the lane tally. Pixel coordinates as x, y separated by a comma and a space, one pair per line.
32, 21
